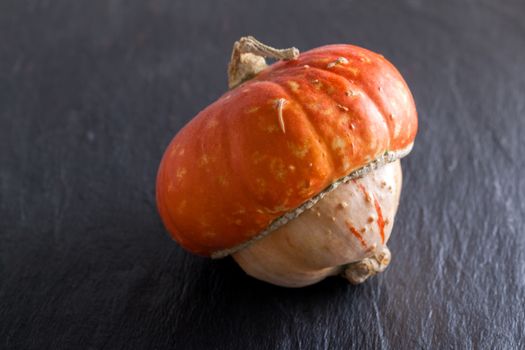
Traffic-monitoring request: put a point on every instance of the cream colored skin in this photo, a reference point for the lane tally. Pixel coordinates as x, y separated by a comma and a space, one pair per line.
322, 241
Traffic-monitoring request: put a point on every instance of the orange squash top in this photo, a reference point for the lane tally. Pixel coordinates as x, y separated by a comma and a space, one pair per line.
269, 145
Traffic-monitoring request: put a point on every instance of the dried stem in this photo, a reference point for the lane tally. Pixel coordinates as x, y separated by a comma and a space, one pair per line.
358, 272
247, 59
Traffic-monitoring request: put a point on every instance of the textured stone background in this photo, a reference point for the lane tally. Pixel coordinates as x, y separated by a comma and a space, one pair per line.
91, 92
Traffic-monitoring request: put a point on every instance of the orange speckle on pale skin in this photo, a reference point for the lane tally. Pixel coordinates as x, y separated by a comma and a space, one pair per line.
356, 234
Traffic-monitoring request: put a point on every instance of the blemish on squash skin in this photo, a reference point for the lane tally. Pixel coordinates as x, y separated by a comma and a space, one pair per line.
364, 58
356, 234
289, 242
261, 185
380, 221
212, 123
328, 112
280, 106
341, 107
181, 206
252, 109
300, 151
176, 150
346, 163
203, 160
293, 85
318, 85
181, 172
338, 143
240, 211
330, 89
210, 234
368, 199
257, 157
339, 60
278, 168
354, 71
270, 128
222, 181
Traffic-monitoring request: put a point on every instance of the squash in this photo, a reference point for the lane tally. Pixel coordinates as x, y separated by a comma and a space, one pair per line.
277, 148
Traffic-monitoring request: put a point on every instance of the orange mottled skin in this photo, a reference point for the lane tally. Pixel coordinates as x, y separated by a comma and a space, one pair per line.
235, 167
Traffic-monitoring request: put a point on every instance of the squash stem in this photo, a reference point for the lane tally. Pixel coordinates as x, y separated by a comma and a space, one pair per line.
247, 59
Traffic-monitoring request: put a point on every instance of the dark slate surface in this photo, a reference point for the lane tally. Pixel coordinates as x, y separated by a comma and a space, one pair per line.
91, 92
